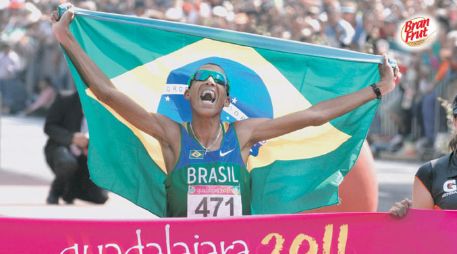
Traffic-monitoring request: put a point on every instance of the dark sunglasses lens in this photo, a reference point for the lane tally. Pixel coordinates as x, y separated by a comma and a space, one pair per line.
204, 75
201, 76
220, 81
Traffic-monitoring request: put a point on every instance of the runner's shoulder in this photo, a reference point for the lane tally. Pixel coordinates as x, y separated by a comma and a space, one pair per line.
249, 124
169, 127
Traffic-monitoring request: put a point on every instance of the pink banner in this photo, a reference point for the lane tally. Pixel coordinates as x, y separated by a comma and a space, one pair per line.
419, 232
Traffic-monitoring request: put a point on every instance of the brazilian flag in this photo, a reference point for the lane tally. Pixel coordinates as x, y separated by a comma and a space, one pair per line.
151, 62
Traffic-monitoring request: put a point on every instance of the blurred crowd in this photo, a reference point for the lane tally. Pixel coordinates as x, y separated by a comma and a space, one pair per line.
33, 70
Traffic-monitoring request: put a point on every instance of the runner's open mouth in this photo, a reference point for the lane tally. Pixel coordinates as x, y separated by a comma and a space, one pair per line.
208, 95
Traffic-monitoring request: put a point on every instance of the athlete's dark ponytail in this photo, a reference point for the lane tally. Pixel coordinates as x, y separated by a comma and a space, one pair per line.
453, 142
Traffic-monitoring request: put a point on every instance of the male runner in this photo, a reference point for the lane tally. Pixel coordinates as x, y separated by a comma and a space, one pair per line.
206, 159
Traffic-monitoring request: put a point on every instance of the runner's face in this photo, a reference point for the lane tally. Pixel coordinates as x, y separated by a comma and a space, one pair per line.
207, 97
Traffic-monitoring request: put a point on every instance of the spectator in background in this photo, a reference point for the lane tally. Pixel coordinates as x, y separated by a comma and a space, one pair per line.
46, 95
338, 31
366, 36
66, 153
349, 13
11, 88
400, 110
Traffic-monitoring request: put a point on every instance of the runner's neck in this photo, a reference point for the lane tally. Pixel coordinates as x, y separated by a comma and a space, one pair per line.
209, 141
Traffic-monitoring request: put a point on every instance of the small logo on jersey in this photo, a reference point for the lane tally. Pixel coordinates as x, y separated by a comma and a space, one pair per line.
450, 188
196, 154
223, 154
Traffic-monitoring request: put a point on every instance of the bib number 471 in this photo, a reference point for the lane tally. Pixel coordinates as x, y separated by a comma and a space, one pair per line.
212, 205
205, 201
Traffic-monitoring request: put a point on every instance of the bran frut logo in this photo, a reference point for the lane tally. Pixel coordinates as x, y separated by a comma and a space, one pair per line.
418, 33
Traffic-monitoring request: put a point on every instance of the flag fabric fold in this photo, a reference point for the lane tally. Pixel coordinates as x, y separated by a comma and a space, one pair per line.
151, 62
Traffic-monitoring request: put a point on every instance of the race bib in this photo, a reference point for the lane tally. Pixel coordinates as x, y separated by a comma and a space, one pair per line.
213, 201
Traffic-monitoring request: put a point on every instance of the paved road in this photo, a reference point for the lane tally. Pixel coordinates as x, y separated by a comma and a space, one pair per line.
395, 181
25, 178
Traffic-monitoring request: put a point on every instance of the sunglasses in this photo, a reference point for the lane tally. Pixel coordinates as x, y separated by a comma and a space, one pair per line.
203, 75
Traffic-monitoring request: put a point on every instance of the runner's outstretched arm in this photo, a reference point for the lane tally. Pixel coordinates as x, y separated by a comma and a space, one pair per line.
158, 126
251, 131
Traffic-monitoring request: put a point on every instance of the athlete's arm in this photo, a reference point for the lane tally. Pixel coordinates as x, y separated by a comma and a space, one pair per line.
252, 131
422, 199
160, 127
